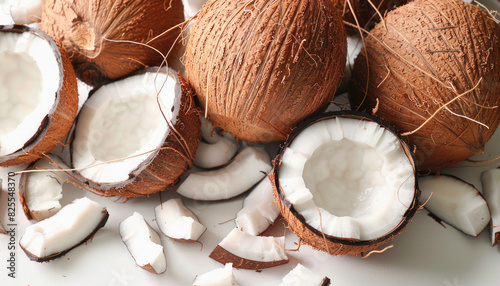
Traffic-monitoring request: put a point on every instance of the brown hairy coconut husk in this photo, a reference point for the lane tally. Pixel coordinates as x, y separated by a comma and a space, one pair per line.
260, 67
107, 40
54, 125
433, 73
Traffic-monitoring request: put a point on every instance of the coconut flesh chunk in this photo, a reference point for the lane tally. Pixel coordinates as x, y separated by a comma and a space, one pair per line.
176, 221
218, 277
258, 211
302, 276
456, 202
29, 81
490, 181
216, 154
73, 225
250, 251
348, 178
123, 123
143, 243
248, 167
26, 11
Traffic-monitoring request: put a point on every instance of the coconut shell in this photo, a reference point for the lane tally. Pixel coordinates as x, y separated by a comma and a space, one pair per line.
106, 40
317, 239
58, 122
261, 67
162, 169
431, 52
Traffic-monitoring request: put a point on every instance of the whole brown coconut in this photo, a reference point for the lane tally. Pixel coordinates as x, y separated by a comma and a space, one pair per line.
433, 73
107, 40
260, 67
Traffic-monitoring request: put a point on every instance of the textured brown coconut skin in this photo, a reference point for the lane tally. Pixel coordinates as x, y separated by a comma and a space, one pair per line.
88, 31
438, 56
223, 256
59, 121
163, 168
261, 67
317, 239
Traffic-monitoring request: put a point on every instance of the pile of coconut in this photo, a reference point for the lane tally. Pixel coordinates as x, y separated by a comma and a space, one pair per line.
226, 100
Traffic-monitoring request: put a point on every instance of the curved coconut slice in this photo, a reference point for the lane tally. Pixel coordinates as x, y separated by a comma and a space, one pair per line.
249, 251
217, 277
38, 95
345, 183
456, 202
247, 169
258, 211
490, 181
215, 155
300, 275
73, 225
176, 221
40, 191
138, 135
143, 243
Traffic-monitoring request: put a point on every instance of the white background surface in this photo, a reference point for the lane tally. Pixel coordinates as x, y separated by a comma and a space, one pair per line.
426, 253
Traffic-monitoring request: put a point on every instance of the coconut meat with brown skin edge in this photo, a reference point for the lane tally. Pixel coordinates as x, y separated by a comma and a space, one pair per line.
345, 183
136, 136
38, 95
301, 275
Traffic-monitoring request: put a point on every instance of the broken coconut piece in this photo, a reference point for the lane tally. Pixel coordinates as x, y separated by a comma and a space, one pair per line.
143, 243
176, 221
138, 135
40, 191
73, 225
455, 202
345, 182
258, 211
213, 155
217, 277
38, 95
490, 181
249, 251
302, 276
248, 167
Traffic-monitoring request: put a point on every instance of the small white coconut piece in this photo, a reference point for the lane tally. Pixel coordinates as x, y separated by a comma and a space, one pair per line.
176, 221
248, 167
213, 155
73, 225
249, 251
218, 277
258, 211
490, 181
143, 243
455, 202
303, 276
209, 133
26, 11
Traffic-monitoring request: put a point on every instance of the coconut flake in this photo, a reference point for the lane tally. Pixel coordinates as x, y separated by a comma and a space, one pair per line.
176, 221
218, 277
303, 276
490, 180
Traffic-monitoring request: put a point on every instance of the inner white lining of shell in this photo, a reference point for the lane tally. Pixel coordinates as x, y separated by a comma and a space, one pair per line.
122, 123
29, 80
348, 178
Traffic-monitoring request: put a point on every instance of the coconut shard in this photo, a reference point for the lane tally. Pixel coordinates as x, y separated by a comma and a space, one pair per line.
137, 135
345, 183
38, 95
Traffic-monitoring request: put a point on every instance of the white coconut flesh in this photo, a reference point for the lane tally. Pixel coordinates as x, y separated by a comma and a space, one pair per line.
223, 276
303, 276
490, 181
176, 221
26, 11
66, 229
143, 243
258, 211
29, 80
123, 123
455, 202
191, 7
348, 178
248, 167
217, 154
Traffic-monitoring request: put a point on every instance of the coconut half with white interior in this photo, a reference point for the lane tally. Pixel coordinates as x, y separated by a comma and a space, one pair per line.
345, 182
38, 95
138, 135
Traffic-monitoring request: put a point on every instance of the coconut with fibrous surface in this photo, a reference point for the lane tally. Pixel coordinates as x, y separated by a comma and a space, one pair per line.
431, 69
260, 67
107, 40
345, 183
38, 95
137, 135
